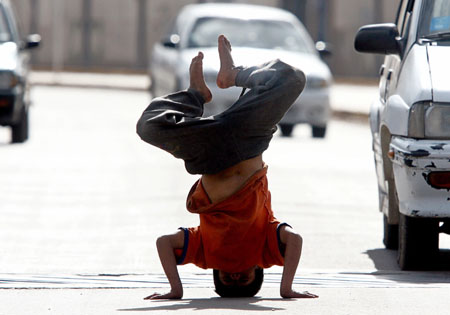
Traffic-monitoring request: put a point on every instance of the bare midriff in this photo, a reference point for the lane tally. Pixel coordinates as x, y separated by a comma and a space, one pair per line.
222, 185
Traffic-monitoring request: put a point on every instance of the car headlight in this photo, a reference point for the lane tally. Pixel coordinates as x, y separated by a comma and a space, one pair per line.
8, 80
429, 120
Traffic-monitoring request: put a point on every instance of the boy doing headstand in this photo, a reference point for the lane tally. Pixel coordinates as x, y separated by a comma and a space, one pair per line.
238, 234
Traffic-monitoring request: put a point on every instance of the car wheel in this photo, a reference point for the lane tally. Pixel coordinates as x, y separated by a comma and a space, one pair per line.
318, 132
390, 235
418, 243
20, 130
286, 130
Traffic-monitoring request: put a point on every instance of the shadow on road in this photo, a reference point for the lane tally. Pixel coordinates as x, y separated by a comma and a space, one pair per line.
385, 262
243, 304
384, 259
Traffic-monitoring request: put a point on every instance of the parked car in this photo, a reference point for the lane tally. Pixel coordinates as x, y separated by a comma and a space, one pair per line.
410, 123
14, 66
257, 34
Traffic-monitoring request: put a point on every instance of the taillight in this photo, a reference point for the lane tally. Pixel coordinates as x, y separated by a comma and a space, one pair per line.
439, 180
4, 102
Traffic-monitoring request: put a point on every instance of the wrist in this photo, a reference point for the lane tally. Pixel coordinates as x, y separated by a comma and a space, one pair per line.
285, 287
177, 289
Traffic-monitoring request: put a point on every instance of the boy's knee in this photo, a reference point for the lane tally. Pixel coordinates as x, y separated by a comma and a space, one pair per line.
300, 78
150, 130
296, 77
292, 77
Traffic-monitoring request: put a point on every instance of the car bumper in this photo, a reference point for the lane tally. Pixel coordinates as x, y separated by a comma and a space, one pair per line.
413, 163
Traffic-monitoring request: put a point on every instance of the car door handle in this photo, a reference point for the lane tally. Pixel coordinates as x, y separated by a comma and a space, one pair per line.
381, 71
389, 75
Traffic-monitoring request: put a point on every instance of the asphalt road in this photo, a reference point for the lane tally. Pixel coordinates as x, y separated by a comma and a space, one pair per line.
83, 201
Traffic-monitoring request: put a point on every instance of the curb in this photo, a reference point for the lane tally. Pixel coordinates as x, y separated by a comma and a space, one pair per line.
350, 116
342, 107
90, 86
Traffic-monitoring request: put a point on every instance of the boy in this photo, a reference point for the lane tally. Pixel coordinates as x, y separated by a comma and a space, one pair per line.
238, 234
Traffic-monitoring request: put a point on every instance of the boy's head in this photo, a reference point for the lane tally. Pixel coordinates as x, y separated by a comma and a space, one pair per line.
239, 284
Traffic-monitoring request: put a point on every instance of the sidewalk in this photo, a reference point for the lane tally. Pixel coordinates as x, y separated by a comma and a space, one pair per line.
352, 99
137, 82
347, 99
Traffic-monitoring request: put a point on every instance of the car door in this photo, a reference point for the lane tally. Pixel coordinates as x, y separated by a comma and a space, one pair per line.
389, 72
392, 67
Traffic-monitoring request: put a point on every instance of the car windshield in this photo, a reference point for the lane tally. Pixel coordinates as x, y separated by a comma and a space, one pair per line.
248, 33
435, 20
4, 30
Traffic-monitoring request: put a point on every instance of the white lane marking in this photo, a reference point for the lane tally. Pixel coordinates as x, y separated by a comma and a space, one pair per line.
322, 279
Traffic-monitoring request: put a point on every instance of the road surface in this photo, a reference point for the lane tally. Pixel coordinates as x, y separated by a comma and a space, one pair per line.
83, 201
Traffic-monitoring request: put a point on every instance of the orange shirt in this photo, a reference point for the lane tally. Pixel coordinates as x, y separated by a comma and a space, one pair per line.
236, 233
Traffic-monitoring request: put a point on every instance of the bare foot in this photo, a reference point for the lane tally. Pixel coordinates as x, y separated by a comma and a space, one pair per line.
197, 81
227, 73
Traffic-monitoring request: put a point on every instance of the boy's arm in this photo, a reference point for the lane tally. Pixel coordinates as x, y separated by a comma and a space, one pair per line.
293, 243
166, 245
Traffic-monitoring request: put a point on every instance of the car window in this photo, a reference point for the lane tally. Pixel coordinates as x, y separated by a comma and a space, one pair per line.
435, 17
401, 15
248, 33
404, 16
5, 34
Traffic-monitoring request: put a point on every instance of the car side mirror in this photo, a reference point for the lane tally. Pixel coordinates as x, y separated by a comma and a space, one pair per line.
378, 39
323, 48
31, 41
171, 41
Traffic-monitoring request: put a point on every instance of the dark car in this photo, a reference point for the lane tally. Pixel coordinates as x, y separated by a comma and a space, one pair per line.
14, 68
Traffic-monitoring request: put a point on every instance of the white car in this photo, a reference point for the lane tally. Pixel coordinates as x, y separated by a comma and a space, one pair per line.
410, 123
257, 34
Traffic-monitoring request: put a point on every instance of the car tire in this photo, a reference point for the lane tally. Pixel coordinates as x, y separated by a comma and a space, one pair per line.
390, 234
286, 130
318, 132
418, 243
20, 130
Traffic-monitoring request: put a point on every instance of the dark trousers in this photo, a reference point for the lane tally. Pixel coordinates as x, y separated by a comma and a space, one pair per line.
208, 145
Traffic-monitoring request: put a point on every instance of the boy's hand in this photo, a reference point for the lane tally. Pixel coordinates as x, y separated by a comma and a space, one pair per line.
291, 294
293, 243
166, 245
170, 296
